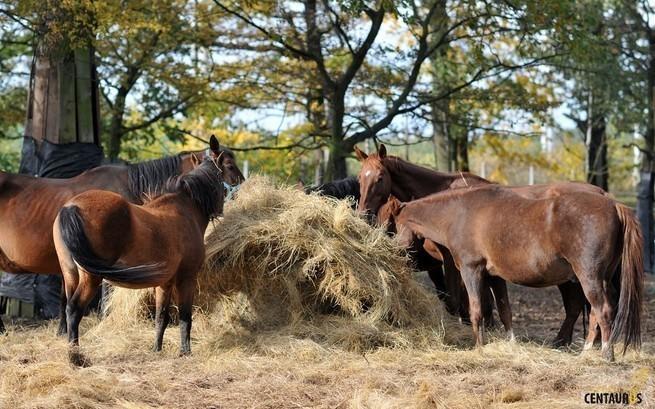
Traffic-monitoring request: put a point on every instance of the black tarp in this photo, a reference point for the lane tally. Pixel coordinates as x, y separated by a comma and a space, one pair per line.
52, 161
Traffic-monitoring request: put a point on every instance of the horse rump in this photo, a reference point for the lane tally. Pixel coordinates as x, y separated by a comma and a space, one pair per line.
71, 226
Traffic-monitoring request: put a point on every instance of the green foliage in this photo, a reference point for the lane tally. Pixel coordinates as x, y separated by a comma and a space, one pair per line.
177, 67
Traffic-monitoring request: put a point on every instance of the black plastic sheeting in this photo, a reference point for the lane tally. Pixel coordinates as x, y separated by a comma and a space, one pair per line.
53, 161
58, 160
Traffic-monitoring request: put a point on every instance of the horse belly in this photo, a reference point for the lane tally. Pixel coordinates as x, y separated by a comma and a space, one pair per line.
21, 253
533, 272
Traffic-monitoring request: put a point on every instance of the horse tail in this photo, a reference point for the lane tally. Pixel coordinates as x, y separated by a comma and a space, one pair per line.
627, 323
71, 226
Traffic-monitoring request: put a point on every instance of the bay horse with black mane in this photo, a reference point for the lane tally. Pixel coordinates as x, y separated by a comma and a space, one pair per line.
383, 176
100, 235
29, 205
494, 231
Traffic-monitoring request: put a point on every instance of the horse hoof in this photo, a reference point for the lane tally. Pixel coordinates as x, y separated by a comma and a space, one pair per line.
608, 355
185, 353
78, 359
560, 343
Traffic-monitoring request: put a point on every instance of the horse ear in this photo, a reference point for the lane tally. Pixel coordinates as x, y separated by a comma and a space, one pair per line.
382, 151
361, 156
214, 146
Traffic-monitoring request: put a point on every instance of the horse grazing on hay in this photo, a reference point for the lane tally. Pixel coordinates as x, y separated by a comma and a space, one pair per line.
29, 205
100, 235
383, 176
338, 189
492, 231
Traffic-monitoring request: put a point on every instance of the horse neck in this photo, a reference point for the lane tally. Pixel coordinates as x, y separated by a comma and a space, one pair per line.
180, 204
431, 217
410, 182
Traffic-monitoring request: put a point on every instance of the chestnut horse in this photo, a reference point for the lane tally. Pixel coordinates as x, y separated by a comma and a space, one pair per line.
382, 176
494, 231
29, 205
100, 235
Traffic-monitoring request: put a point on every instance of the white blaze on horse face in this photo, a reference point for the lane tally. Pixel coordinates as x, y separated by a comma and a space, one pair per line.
368, 173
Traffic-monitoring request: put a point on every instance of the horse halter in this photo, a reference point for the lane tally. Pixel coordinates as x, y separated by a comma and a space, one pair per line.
230, 190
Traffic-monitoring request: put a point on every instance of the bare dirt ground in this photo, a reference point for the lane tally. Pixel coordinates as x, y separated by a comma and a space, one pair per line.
275, 371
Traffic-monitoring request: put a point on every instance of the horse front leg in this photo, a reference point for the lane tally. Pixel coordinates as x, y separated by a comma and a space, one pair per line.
499, 287
185, 290
472, 276
162, 317
574, 301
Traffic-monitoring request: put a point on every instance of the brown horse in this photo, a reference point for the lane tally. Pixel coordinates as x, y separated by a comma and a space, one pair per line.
29, 205
100, 235
492, 231
382, 176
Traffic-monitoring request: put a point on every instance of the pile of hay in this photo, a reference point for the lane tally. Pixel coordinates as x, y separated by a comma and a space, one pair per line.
304, 265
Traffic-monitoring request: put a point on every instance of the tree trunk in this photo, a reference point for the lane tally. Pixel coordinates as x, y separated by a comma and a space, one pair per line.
645, 187
463, 152
597, 165
441, 137
336, 166
116, 126
318, 172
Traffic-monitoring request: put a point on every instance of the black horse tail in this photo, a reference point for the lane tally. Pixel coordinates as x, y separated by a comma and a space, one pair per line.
627, 323
71, 226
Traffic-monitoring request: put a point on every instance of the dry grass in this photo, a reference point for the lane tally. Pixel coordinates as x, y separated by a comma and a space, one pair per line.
266, 341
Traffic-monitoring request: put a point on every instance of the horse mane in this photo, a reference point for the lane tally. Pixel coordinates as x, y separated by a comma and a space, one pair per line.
394, 163
203, 185
149, 178
339, 189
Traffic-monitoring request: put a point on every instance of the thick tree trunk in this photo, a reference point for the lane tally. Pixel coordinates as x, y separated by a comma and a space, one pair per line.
116, 126
441, 137
339, 150
597, 165
645, 187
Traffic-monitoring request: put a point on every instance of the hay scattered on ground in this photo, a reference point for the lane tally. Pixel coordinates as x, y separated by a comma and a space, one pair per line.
250, 352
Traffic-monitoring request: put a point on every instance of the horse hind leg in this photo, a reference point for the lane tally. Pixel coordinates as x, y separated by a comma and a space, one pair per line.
79, 293
601, 316
63, 326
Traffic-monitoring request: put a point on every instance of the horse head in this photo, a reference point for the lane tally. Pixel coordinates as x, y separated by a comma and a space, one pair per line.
232, 175
374, 182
